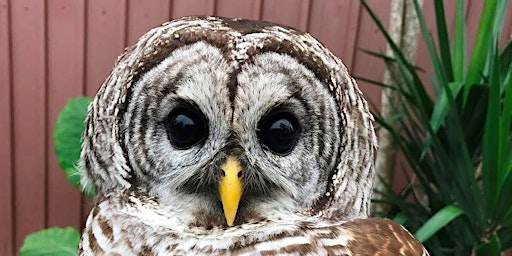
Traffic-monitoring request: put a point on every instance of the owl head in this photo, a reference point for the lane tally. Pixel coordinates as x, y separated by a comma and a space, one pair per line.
225, 121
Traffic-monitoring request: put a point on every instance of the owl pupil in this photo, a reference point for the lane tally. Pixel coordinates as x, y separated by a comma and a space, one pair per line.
279, 132
185, 128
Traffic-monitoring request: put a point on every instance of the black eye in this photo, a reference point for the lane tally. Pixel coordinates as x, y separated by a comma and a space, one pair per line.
279, 132
185, 127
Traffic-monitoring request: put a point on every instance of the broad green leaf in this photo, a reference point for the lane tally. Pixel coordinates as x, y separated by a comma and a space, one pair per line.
52, 242
68, 136
437, 222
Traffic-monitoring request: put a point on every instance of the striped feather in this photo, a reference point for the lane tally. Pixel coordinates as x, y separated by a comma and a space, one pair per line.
314, 201
144, 228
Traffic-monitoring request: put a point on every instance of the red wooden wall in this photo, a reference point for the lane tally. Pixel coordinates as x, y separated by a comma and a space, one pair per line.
53, 50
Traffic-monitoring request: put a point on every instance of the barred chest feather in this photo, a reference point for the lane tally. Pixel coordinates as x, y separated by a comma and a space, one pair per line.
136, 225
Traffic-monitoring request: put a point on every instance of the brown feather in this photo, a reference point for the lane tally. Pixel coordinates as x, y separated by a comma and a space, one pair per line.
378, 236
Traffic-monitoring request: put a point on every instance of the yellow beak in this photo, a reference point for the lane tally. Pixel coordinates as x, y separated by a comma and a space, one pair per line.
231, 187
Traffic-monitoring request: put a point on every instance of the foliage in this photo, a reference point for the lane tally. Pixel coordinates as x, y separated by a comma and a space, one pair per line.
68, 138
52, 241
458, 144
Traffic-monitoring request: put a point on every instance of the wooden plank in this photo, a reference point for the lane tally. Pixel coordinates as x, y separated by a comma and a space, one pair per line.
182, 8
144, 15
87, 204
29, 110
335, 24
249, 9
65, 80
105, 40
289, 12
6, 193
369, 37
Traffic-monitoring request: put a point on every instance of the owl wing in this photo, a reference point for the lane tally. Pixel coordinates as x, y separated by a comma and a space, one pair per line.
379, 236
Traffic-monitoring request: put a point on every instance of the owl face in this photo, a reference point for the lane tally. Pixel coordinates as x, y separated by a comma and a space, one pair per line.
195, 110
228, 121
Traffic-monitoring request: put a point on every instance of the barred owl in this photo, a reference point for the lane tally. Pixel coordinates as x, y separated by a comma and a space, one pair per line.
229, 136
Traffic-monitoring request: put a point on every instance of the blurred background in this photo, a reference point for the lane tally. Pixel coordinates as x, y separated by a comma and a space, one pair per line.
54, 50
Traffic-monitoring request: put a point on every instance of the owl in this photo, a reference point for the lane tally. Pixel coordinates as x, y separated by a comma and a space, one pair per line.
218, 136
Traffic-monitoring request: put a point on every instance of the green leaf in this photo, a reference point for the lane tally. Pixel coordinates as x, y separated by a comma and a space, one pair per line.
490, 248
52, 241
437, 222
439, 69
459, 144
68, 136
459, 43
440, 110
483, 44
505, 235
505, 128
400, 218
443, 39
491, 156
506, 58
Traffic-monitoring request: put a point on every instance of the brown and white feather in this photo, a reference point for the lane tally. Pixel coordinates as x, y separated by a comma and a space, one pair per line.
153, 199
119, 224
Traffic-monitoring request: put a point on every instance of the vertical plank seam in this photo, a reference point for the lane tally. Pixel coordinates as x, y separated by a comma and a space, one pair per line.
126, 21
508, 34
213, 7
81, 76
46, 114
262, 7
84, 59
510, 26
305, 16
84, 87
11, 124
466, 12
256, 12
170, 10
356, 36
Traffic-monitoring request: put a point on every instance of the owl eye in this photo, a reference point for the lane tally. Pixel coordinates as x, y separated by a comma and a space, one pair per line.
279, 132
185, 127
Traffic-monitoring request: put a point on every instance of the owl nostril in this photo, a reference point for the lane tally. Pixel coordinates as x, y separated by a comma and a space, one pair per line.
240, 174
222, 173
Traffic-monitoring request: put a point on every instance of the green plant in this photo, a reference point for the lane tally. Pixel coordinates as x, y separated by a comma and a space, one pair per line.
67, 138
51, 241
458, 144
